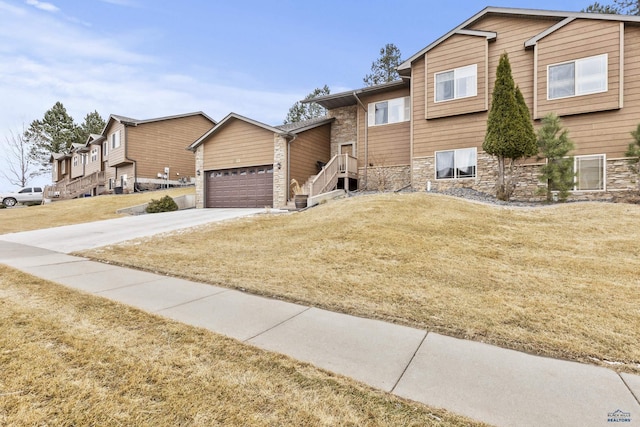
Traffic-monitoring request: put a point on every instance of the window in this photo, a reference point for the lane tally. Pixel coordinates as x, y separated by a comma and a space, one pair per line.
115, 140
75, 160
391, 111
454, 164
590, 172
94, 154
105, 149
580, 77
25, 190
458, 83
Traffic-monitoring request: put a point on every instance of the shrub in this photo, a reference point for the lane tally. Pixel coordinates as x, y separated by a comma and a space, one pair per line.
165, 204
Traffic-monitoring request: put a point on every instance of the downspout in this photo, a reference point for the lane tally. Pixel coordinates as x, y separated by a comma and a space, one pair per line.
288, 184
126, 156
366, 137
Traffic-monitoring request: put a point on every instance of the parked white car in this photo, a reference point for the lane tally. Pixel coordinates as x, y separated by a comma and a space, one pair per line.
26, 195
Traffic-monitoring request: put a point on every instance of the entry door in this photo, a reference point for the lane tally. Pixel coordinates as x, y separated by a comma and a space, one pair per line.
347, 149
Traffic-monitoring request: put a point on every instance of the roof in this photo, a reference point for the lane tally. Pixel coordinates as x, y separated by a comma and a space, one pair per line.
344, 99
304, 125
290, 129
128, 121
563, 18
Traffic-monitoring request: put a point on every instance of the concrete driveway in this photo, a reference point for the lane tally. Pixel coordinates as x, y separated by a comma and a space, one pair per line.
78, 237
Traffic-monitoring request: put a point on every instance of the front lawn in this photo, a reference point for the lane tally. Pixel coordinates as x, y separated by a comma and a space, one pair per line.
560, 281
72, 359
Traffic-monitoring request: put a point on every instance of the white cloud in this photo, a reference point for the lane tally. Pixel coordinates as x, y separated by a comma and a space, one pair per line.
89, 70
42, 5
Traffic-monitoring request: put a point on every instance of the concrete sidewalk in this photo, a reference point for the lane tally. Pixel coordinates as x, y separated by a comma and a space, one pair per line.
486, 383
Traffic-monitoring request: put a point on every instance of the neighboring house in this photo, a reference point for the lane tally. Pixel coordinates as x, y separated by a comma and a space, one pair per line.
427, 129
241, 162
129, 155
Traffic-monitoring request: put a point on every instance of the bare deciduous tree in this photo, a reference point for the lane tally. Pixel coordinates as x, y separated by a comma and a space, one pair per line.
20, 166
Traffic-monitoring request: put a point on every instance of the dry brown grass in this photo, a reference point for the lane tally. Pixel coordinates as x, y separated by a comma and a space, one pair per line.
560, 281
68, 358
65, 212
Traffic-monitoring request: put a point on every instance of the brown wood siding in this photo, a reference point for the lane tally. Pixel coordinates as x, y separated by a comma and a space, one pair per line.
580, 39
387, 145
307, 149
78, 170
116, 156
466, 131
608, 132
96, 166
458, 51
238, 144
159, 144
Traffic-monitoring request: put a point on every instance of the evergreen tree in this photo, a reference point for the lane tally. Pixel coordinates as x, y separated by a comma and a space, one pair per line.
510, 134
620, 7
53, 134
93, 123
383, 69
304, 111
634, 152
554, 145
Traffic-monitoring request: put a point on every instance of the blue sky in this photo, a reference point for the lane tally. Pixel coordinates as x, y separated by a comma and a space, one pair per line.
151, 58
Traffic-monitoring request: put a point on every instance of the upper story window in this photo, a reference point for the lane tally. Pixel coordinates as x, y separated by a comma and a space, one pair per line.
579, 77
94, 154
457, 83
390, 111
75, 160
115, 140
105, 149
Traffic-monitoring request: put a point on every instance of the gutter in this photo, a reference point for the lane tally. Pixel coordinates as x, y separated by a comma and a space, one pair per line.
288, 184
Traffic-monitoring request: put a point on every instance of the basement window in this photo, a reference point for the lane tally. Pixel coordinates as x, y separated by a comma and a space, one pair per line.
590, 172
454, 164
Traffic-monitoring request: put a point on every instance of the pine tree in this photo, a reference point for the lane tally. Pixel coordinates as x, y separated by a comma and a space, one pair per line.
383, 69
620, 7
55, 133
93, 123
305, 111
510, 134
554, 145
634, 153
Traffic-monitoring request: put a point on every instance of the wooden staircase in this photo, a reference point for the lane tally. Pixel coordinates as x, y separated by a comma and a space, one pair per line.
340, 166
76, 188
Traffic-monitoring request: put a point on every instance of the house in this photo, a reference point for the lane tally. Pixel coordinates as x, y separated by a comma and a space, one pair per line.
129, 155
242, 162
427, 129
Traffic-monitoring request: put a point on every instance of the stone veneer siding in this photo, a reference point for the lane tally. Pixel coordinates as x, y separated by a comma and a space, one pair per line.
385, 178
280, 184
344, 128
200, 190
619, 179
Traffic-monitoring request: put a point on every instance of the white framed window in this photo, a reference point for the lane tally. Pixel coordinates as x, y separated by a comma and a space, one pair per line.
94, 154
75, 160
390, 111
105, 148
115, 140
457, 83
455, 164
580, 77
590, 172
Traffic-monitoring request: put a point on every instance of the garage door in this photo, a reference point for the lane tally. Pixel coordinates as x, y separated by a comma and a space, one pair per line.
240, 188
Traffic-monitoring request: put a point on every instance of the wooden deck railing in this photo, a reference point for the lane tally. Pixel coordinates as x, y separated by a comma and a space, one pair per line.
70, 190
327, 179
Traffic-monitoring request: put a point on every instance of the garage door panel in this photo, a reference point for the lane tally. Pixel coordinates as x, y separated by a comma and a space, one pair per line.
240, 187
